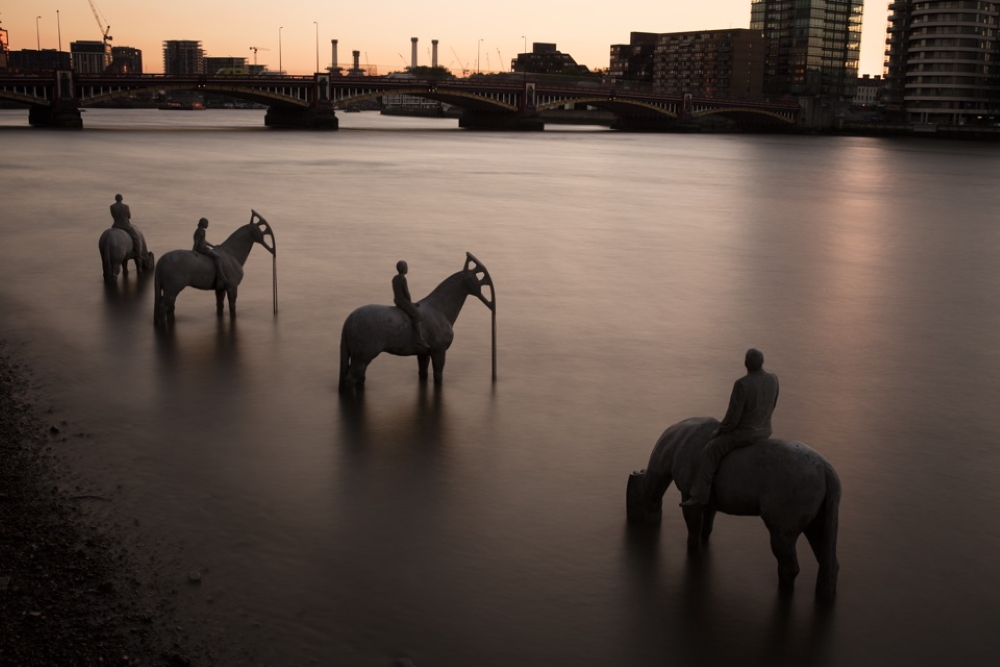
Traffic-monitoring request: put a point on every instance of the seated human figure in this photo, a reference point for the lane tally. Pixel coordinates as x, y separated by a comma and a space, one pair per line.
748, 420
122, 217
401, 297
201, 245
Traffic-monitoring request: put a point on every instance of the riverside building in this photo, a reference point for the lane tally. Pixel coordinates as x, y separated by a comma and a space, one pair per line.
811, 48
942, 62
183, 56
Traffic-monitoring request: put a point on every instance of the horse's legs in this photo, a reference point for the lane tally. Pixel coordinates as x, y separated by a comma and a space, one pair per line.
232, 304
220, 296
694, 518
167, 306
437, 357
707, 522
826, 578
423, 360
356, 373
783, 548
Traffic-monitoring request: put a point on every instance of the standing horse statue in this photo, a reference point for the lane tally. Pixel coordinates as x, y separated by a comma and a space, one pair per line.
373, 329
116, 250
178, 269
790, 486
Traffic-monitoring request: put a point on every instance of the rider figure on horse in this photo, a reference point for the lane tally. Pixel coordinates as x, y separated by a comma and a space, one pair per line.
401, 297
122, 217
748, 420
201, 245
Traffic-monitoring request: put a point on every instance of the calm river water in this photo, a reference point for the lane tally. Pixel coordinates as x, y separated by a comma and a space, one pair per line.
481, 524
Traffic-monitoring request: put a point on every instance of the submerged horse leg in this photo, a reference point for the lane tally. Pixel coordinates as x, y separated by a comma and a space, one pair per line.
232, 303
783, 548
220, 295
694, 517
423, 360
707, 523
437, 357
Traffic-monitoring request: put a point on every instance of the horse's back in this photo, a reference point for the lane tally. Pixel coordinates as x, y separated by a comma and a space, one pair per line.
773, 477
371, 329
178, 269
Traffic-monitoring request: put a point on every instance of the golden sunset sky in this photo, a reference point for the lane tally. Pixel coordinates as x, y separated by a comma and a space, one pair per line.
494, 32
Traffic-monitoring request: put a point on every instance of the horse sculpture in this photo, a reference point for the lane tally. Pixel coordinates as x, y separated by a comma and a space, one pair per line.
116, 250
373, 329
790, 486
178, 269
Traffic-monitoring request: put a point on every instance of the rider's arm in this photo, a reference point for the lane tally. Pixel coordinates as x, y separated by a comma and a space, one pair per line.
735, 411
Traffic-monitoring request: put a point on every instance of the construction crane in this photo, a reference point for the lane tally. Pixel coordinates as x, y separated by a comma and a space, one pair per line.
255, 50
101, 23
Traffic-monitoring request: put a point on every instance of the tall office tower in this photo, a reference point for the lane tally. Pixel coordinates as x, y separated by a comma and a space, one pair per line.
941, 62
811, 47
183, 56
90, 57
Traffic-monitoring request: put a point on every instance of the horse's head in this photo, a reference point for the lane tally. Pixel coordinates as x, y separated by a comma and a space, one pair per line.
476, 277
261, 230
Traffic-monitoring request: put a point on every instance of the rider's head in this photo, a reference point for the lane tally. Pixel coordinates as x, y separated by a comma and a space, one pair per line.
401, 266
203, 223
754, 360
118, 197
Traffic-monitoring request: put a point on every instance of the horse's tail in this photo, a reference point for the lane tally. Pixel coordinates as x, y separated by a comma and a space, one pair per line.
822, 535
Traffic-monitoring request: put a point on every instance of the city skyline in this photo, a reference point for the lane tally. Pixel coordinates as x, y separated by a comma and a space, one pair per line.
299, 36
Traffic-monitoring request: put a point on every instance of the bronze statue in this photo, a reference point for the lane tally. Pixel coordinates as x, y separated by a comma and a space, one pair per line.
401, 297
373, 329
201, 245
121, 216
178, 269
748, 420
121, 242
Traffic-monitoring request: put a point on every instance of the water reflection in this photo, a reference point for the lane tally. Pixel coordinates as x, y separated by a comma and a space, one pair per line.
706, 625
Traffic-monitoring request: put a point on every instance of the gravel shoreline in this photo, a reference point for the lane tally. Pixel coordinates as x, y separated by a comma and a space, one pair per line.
70, 590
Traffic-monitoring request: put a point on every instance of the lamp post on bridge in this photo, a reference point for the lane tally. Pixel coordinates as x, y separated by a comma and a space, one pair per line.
38, 35
281, 70
317, 44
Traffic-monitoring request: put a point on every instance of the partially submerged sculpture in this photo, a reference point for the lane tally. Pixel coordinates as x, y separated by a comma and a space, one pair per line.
116, 248
373, 329
178, 269
790, 486
122, 242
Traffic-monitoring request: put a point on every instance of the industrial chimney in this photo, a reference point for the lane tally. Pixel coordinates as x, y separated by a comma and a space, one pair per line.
413, 53
434, 53
334, 69
357, 62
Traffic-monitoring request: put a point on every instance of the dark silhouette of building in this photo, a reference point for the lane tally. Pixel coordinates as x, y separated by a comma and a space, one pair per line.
90, 57
30, 60
183, 56
811, 47
4, 49
547, 59
943, 62
126, 60
633, 61
225, 65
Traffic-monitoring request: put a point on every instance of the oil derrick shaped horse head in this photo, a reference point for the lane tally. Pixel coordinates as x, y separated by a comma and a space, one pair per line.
373, 329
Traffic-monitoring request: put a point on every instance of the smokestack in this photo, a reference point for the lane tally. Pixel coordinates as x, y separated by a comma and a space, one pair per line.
357, 62
434, 53
413, 53
333, 46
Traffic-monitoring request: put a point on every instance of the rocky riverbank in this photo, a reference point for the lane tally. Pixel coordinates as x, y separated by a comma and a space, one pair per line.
71, 592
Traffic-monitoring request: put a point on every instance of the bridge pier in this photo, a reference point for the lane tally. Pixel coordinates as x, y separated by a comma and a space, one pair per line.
473, 119
42, 115
299, 118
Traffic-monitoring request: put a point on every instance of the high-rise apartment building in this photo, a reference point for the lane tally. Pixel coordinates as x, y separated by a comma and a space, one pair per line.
183, 56
943, 61
634, 61
811, 46
725, 64
90, 57
4, 49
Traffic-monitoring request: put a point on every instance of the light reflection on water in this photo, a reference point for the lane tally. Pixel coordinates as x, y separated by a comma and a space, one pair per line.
480, 524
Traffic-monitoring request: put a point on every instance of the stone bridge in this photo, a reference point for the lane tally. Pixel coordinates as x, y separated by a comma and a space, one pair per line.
487, 102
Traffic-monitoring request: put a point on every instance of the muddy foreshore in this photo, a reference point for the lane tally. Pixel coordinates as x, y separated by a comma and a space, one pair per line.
73, 592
